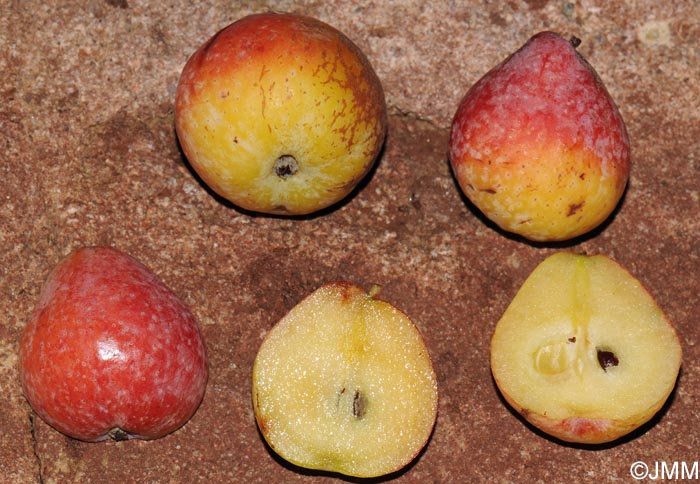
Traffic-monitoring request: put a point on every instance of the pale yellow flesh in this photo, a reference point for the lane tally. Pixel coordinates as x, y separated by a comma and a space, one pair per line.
344, 383
544, 351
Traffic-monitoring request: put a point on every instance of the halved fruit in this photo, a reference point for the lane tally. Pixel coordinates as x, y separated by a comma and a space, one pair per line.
583, 352
344, 383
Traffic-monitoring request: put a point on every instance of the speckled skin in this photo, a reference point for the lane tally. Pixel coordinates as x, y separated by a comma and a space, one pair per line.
539, 146
109, 347
278, 85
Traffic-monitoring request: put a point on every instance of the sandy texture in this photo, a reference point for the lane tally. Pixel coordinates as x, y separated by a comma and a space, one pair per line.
89, 156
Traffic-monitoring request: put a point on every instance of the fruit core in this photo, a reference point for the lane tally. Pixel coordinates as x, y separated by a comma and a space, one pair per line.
285, 166
558, 357
576, 351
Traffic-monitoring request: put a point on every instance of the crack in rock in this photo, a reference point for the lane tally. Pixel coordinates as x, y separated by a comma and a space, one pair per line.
35, 447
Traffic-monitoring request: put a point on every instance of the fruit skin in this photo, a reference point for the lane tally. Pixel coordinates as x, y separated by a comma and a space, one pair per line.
109, 351
344, 383
581, 304
273, 86
538, 144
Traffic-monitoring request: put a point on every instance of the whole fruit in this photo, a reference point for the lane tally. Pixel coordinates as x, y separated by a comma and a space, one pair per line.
109, 351
539, 146
583, 351
344, 383
280, 114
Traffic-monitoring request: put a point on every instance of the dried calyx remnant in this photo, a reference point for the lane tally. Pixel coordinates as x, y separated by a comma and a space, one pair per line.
359, 404
285, 166
118, 434
606, 359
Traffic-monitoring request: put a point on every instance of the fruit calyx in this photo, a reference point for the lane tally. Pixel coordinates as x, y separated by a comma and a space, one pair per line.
118, 434
285, 166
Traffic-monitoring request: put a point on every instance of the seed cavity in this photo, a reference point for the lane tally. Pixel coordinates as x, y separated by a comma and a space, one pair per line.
285, 166
552, 359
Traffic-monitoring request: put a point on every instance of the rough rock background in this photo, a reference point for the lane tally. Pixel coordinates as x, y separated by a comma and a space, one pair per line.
89, 156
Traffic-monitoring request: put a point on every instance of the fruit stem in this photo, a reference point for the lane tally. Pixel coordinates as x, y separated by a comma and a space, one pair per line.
575, 41
374, 290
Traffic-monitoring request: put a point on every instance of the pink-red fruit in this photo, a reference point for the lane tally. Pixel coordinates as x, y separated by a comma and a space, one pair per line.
109, 351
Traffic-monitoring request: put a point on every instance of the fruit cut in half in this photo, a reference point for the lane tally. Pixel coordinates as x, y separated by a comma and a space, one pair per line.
583, 352
344, 383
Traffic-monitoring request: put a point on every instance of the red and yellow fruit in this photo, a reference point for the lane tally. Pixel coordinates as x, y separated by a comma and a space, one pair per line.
538, 144
280, 114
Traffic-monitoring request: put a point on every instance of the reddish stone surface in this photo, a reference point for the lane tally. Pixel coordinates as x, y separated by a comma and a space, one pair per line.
90, 157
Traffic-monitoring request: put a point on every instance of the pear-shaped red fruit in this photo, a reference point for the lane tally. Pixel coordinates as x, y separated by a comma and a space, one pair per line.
109, 351
538, 144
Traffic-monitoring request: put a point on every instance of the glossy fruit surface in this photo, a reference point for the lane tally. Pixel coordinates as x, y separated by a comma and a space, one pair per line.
110, 351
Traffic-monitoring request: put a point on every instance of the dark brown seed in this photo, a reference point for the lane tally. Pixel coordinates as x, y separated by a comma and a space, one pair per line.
606, 359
